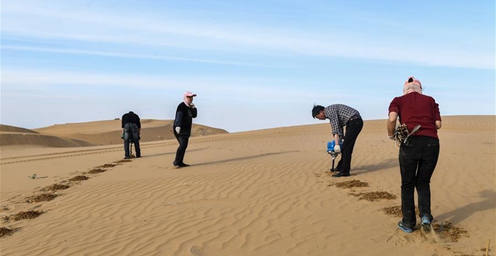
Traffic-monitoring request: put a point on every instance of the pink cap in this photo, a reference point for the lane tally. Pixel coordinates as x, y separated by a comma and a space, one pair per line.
413, 80
189, 94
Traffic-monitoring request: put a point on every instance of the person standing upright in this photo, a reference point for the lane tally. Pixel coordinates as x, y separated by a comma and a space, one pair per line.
419, 152
131, 130
183, 122
341, 116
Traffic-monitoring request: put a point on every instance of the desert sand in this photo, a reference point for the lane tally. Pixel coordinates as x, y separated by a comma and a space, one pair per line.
263, 192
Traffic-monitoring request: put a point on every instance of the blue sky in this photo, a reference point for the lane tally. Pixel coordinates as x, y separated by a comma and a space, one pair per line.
254, 64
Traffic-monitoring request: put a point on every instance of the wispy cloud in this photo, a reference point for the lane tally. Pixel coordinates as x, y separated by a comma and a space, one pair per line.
136, 56
133, 30
27, 80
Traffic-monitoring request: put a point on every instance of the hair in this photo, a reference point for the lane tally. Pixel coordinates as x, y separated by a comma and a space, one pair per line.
316, 110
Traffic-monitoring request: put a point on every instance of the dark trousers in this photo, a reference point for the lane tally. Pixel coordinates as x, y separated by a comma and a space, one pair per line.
418, 159
181, 150
131, 135
353, 128
136, 147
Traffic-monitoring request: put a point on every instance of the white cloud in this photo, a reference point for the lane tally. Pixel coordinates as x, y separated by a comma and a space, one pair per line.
135, 30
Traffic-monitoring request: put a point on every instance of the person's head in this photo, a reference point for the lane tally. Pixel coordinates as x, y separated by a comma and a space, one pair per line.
318, 112
412, 84
188, 97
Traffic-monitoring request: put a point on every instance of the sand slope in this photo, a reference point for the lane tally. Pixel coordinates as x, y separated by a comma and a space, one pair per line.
265, 192
16, 136
109, 132
96, 133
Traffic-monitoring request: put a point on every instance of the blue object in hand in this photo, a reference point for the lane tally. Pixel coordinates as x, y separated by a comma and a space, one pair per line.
331, 144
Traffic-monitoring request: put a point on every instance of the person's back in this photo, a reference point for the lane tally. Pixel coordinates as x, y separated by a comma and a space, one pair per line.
417, 109
131, 117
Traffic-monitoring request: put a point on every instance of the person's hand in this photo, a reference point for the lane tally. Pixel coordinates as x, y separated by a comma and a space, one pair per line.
122, 136
337, 149
178, 130
192, 105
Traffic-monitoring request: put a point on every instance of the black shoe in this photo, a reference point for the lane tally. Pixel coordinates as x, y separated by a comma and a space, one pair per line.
183, 165
127, 157
341, 174
138, 156
335, 170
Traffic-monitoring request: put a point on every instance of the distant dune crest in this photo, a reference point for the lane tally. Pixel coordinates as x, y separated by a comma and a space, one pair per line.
92, 133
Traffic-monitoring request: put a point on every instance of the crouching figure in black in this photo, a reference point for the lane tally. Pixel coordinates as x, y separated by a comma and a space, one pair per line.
131, 130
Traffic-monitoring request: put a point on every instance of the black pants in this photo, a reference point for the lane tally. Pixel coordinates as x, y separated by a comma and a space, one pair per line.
353, 128
136, 146
131, 135
418, 159
181, 150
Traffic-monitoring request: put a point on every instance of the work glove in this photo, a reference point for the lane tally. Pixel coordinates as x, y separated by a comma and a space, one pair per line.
178, 130
337, 149
192, 105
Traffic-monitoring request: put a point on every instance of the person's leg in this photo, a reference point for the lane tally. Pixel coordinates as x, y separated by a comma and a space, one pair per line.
136, 139
430, 155
408, 168
353, 129
181, 149
126, 148
137, 146
185, 142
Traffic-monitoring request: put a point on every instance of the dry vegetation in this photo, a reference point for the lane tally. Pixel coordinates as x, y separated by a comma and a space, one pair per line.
97, 170
374, 196
41, 198
78, 178
448, 230
106, 166
351, 184
23, 215
56, 187
6, 231
123, 161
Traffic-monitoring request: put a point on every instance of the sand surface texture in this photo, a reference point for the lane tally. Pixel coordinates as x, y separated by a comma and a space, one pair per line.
66, 190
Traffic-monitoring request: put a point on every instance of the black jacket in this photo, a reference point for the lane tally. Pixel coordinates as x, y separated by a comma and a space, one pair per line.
131, 124
184, 119
131, 117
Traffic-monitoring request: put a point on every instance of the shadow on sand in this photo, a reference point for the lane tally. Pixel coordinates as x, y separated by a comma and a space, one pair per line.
246, 157
386, 164
459, 214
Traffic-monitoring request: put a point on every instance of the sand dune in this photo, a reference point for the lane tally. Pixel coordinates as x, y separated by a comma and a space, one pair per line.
96, 133
265, 192
16, 136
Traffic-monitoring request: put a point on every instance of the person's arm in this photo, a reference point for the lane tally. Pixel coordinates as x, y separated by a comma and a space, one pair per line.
331, 113
439, 124
194, 112
437, 114
391, 124
178, 121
